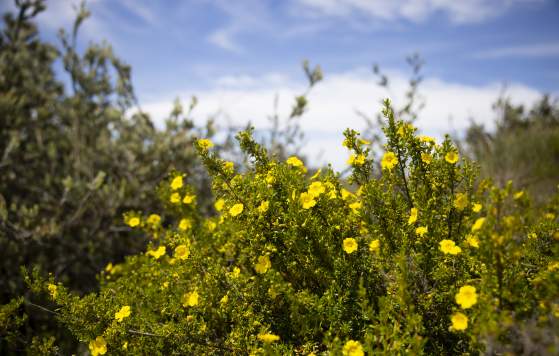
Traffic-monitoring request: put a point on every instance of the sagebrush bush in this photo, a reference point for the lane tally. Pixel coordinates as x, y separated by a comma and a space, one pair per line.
415, 257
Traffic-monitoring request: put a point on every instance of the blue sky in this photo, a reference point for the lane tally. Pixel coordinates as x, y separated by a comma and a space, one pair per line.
236, 55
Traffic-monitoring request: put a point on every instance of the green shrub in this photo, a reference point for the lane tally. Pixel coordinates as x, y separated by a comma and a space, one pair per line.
417, 259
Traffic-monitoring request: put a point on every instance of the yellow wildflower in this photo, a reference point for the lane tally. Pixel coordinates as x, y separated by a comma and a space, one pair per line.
472, 241
353, 348
190, 299
236, 272
307, 200
413, 216
154, 219
356, 160
316, 188
363, 141
317, 174
389, 160
346, 194
182, 252
476, 208
133, 221
466, 297
236, 209
461, 201
263, 264
188, 199
124, 312
219, 204
350, 245
448, 246
98, 346
451, 157
53, 290
478, 224
374, 245
294, 161
176, 183
157, 253
185, 224
426, 158
459, 321
205, 144
268, 338
175, 198
518, 195
229, 167
224, 299
211, 225
421, 230
426, 139
264, 207
270, 179
355, 207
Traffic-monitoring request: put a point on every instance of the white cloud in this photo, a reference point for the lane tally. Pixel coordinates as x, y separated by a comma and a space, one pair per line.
223, 38
333, 105
531, 50
459, 12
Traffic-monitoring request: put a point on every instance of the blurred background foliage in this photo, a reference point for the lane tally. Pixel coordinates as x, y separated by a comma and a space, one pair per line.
77, 151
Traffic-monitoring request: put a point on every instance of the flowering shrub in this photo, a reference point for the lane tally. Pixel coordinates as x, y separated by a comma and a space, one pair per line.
413, 256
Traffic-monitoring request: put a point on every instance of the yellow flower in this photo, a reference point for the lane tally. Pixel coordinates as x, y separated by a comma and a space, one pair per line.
109, 267
229, 167
157, 253
124, 312
264, 207
236, 272
346, 194
294, 161
426, 139
421, 230
176, 183
472, 241
353, 348
356, 160
53, 290
451, 157
268, 338
316, 175
182, 252
461, 201
478, 224
374, 245
154, 219
224, 300
389, 160
211, 225
518, 195
125, 345
98, 346
236, 209
205, 144
263, 264
219, 204
175, 198
477, 207
466, 297
363, 141
185, 224
426, 158
413, 216
190, 299
134, 221
307, 200
188, 199
459, 321
316, 188
270, 179
448, 246
355, 207
350, 245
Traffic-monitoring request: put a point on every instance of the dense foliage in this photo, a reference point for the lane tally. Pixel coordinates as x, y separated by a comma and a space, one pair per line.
416, 259
71, 162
